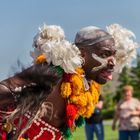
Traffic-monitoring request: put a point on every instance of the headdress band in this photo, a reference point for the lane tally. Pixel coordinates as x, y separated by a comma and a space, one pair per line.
90, 42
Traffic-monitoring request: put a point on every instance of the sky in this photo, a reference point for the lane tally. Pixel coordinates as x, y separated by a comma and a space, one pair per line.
20, 20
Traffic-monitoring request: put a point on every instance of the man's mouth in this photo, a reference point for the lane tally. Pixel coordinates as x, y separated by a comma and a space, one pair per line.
107, 74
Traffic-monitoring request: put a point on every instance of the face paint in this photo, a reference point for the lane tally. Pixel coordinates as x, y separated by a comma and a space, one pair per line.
103, 62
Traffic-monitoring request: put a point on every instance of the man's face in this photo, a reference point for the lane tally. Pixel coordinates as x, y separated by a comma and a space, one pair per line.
93, 67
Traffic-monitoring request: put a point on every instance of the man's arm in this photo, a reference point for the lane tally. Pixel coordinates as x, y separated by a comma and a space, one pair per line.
116, 117
6, 96
99, 105
35, 79
8, 87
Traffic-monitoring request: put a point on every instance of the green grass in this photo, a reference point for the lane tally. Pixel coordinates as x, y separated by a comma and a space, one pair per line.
109, 134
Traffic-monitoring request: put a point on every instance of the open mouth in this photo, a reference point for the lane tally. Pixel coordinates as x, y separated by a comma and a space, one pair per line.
106, 74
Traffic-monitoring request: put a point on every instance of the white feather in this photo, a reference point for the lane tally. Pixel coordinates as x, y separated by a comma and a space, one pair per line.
125, 45
58, 51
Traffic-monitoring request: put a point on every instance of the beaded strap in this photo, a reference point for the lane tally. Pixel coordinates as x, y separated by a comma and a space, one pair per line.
47, 127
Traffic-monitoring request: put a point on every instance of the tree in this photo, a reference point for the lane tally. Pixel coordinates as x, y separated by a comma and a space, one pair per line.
107, 96
124, 79
135, 75
108, 107
129, 76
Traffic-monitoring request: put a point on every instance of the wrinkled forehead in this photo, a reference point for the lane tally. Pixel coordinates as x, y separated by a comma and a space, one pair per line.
108, 44
104, 47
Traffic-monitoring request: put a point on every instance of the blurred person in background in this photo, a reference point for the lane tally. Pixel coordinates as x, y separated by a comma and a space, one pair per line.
127, 112
94, 124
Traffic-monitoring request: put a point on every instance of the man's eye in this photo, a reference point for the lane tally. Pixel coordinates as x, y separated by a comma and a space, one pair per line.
104, 55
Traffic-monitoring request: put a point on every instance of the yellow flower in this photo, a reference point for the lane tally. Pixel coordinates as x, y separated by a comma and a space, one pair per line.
77, 84
89, 96
80, 71
95, 86
75, 92
80, 100
81, 111
65, 89
40, 59
89, 110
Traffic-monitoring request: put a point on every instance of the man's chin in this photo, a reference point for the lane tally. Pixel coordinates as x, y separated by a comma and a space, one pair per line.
101, 81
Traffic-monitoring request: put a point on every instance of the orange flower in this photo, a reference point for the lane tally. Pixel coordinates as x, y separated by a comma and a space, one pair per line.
80, 71
77, 84
79, 100
73, 89
40, 59
65, 89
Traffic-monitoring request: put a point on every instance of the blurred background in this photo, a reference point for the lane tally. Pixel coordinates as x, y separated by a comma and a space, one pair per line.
20, 20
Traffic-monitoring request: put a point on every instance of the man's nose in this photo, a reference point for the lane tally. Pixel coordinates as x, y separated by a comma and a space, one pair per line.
111, 61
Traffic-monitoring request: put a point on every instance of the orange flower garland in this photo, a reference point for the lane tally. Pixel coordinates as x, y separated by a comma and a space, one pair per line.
73, 90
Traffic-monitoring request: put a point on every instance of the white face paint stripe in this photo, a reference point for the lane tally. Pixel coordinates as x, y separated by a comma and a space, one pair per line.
101, 60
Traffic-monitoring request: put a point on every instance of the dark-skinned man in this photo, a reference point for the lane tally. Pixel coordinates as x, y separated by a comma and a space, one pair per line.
52, 97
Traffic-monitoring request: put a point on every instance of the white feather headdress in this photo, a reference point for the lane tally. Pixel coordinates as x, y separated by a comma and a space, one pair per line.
125, 45
50, 41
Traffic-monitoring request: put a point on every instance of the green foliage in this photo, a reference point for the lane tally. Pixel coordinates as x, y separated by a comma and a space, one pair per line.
108, 113
108, 101
108, 109
129, 76
136, 77
124, 79
107, 96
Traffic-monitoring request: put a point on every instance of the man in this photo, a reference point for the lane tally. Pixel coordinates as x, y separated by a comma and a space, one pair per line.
93, 43
47, 95
94, 124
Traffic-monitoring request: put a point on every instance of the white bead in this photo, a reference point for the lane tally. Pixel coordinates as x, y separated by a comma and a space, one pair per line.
18, 89
47, 127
